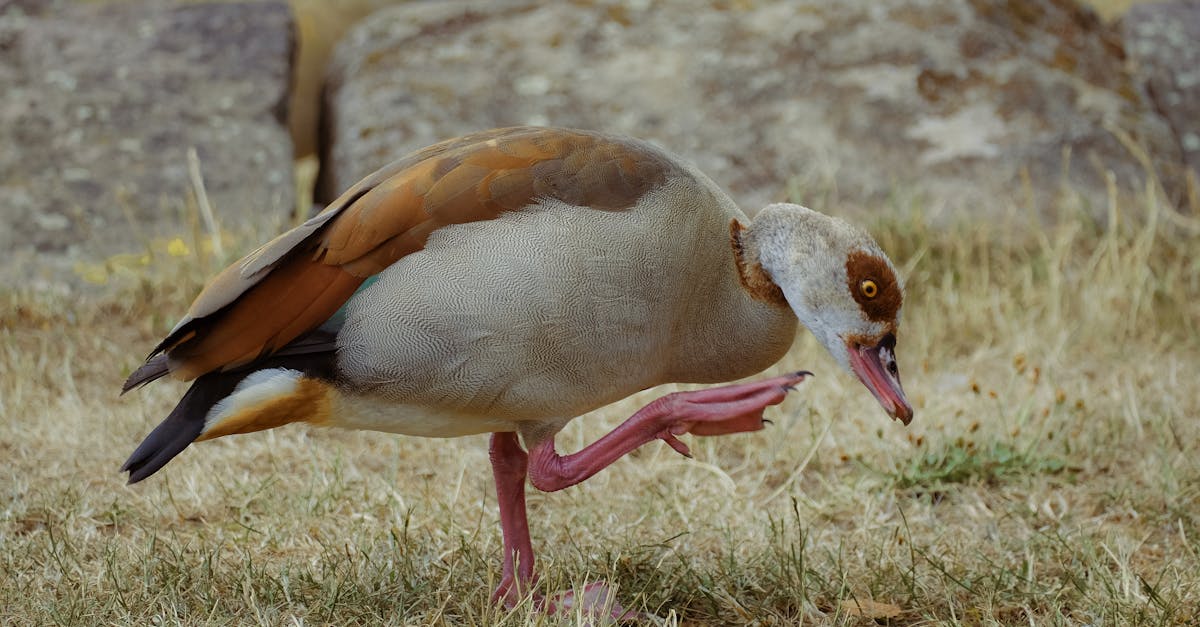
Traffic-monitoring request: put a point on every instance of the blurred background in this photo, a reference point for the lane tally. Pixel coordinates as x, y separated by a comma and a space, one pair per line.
985, 106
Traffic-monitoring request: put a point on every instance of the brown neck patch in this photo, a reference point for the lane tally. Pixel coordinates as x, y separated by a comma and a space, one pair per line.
885, 304
753, 277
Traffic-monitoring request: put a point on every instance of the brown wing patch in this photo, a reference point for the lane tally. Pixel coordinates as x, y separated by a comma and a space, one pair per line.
297, 297
752, 276
299, 279
863, 267
504, 170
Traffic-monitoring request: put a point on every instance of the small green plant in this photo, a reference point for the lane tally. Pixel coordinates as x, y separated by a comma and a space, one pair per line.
965, 462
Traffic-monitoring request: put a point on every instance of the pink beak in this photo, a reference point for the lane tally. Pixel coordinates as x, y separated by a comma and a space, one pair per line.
876, 368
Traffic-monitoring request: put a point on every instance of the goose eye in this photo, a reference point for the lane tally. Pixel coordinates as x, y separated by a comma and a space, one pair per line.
868, 288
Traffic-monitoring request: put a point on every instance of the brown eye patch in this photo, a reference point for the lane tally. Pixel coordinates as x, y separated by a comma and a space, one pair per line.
874, 286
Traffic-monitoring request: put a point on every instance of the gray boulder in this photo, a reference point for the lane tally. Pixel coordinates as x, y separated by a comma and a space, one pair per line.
973, 103
99, 105
1163, 41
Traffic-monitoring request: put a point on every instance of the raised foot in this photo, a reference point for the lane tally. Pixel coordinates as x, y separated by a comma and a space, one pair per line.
713, 411
723, 410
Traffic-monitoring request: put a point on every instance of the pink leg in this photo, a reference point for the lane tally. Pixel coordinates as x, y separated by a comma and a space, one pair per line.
509, 462
714, 411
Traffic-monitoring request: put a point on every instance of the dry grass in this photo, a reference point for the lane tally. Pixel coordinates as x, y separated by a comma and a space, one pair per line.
1051, 476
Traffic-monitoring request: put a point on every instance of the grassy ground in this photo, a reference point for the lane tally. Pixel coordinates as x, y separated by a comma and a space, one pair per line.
1052, 475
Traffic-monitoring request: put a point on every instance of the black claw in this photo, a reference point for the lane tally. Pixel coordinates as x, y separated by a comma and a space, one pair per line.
802, 373
768, 422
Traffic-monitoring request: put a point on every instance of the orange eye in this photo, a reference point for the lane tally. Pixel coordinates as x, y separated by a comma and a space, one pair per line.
868, 288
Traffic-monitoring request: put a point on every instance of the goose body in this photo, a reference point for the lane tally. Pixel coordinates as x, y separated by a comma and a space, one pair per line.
508, 281
581, 308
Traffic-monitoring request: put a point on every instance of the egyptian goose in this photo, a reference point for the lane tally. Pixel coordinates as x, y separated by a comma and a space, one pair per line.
508, 281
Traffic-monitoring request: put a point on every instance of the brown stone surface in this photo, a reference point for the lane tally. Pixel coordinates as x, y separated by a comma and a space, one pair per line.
847, 103
99, 104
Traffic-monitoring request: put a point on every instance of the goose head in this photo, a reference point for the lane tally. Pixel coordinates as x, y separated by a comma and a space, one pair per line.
842, 287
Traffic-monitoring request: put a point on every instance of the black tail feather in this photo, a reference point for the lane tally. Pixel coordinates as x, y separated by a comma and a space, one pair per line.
166, 441
313, 355
182, 426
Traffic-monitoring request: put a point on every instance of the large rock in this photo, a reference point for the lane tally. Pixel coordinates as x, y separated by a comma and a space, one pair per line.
99, 104
1163, 40
975, 103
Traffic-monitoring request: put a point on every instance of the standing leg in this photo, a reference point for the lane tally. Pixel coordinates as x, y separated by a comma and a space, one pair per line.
509, 463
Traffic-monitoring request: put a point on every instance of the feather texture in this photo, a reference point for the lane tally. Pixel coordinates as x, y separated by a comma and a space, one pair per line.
295, 282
